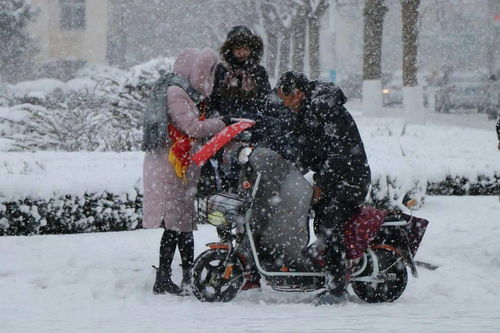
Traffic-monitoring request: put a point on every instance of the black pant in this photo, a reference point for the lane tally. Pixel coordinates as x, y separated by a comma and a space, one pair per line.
169, 241
331, 216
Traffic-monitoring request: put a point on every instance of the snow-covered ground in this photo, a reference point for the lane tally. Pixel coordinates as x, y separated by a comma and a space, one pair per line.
102, 283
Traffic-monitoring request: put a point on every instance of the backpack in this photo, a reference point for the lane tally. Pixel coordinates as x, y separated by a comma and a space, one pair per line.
155, 133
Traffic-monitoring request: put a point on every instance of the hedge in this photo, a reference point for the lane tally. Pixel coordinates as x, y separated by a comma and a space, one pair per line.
458, 185
71, 214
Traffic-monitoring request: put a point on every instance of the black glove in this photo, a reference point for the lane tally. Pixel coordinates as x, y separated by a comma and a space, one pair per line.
256, 117
227, 120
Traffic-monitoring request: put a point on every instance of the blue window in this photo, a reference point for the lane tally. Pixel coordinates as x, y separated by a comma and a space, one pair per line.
72, 15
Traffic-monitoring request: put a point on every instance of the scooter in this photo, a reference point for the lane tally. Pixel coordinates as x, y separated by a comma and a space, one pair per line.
268, 220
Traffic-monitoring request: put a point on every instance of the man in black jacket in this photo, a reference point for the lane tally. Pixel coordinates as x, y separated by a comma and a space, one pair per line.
327, 141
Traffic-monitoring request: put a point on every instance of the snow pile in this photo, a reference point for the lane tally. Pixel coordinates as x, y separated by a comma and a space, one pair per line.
103, 282
45, 174
413, 156
88, 78
38, 88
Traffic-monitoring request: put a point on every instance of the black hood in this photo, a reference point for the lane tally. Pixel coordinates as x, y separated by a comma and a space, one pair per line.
240, 36
317, 89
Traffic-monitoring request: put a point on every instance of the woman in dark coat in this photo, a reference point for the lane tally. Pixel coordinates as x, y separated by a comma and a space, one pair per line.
241, 83
240, 90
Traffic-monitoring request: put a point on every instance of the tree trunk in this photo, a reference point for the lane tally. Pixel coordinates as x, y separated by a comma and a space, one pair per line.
314, 28
412, 93
271, 25
284, 52
272, 50
409, 14
373, 12
314, 49
299, 26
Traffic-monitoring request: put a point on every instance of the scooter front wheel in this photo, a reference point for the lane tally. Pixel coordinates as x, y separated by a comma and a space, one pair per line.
208, 282
386, 266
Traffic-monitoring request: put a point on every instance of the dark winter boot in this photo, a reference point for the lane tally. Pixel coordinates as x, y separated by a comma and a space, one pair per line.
326, 298
164, 284
186, 250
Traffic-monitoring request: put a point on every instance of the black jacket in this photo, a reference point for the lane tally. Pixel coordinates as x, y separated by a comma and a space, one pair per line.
240, 88
328, 139
234, 101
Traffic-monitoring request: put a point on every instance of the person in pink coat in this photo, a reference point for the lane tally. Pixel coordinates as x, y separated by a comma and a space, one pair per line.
169, 188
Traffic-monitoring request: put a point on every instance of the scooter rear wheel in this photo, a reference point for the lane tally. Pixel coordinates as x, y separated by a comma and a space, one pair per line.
392, 269
208, 283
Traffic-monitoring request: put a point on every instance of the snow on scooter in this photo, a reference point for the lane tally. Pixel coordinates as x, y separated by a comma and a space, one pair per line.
269, 219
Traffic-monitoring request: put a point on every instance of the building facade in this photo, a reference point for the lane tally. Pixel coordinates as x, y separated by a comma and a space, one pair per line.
71, 29
462, 34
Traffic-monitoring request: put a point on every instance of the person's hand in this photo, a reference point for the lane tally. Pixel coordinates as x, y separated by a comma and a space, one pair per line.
258, 119
227, 120
317, 193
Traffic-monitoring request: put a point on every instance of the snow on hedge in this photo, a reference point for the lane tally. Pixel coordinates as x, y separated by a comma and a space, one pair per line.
89, 77
99, 110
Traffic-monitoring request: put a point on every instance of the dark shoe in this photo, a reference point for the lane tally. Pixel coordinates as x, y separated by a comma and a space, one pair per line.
250, 285
164, 284
337, 283
326, 298
337, 286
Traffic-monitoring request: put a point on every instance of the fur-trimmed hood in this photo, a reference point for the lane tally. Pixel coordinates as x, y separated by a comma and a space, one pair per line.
242, 36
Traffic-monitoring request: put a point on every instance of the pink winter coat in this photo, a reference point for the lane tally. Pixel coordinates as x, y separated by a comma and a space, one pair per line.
166, 196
